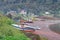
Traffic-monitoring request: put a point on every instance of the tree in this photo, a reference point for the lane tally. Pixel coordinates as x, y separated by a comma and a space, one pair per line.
10, 16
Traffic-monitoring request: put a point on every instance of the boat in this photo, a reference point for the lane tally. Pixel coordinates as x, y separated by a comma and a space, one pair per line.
26, 26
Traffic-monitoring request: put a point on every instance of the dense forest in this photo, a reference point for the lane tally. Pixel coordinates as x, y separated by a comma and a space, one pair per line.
35, 6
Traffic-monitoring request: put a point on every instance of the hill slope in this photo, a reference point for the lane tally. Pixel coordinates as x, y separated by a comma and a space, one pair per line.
35, 6
7, 32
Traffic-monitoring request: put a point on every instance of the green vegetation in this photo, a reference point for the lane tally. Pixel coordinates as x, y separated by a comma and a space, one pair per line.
43, 38
35, 6
7, 32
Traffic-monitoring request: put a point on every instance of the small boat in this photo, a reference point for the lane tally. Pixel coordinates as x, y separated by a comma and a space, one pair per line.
26, 27
17, 26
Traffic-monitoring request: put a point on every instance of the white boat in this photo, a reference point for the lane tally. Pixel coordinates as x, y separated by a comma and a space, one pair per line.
25, 26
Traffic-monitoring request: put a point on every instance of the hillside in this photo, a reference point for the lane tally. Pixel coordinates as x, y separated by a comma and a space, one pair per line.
7, 32
35, 6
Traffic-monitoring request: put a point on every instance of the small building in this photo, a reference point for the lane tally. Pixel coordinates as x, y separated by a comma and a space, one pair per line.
48, 14
23, 12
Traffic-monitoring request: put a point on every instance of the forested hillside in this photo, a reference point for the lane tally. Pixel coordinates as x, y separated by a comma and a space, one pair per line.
35, 6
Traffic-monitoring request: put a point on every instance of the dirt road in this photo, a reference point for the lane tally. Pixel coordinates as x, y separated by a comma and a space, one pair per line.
45, 31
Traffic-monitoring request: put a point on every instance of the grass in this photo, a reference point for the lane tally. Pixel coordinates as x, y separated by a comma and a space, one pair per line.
8, 32
43, 38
